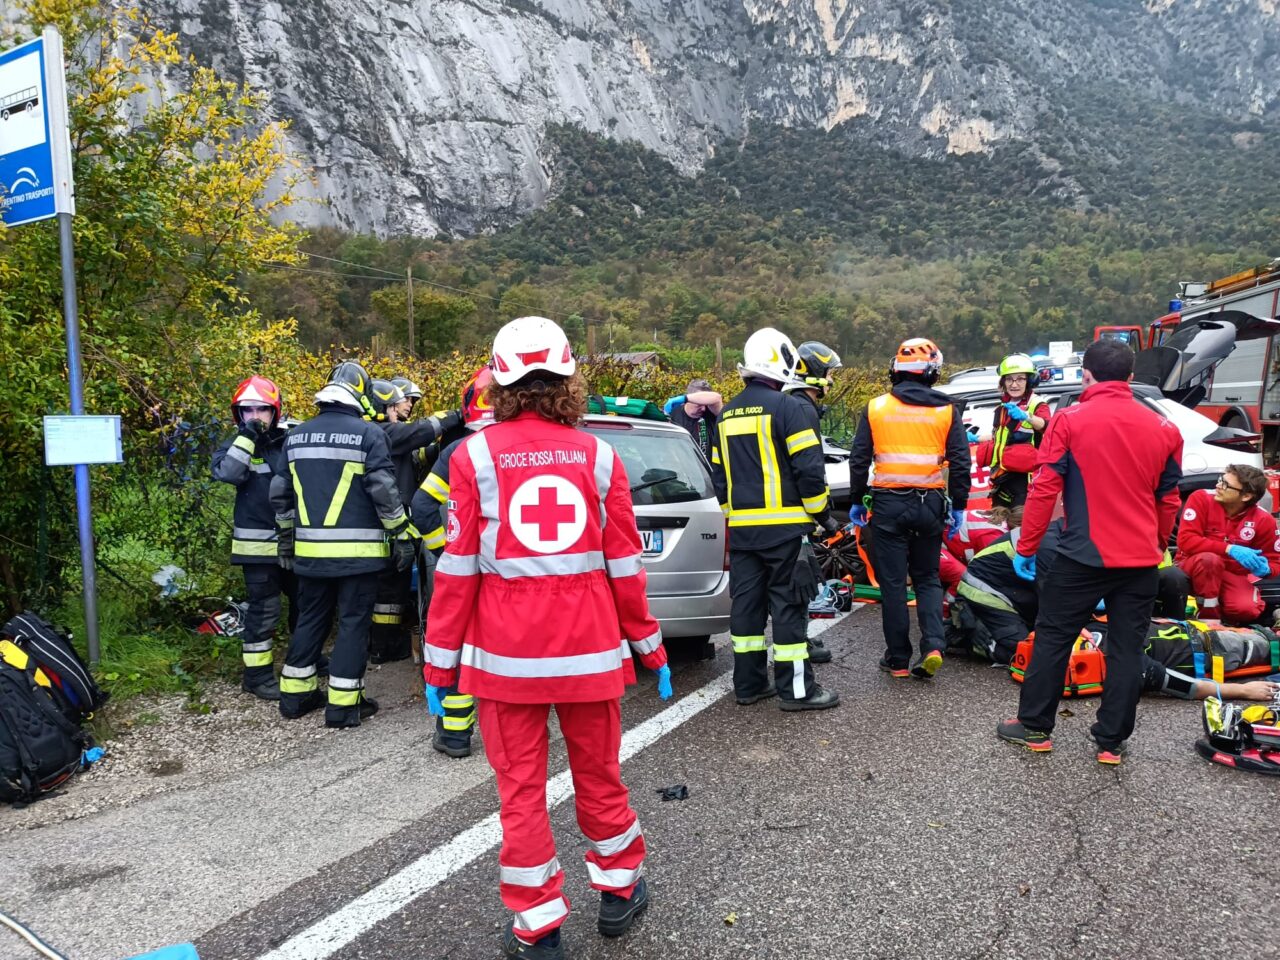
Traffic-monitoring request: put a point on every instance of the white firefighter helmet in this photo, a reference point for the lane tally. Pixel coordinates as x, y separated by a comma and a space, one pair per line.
769, 353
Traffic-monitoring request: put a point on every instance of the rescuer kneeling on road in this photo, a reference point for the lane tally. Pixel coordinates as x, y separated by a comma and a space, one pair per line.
1117, 466
910, 433
1224, 539
540, 581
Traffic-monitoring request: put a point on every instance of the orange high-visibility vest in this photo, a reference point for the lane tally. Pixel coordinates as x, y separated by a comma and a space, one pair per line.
910, 443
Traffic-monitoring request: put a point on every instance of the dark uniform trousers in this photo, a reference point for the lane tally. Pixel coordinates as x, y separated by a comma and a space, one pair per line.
762, 582
1130, 593
353, 597
264, 583
392, 615
906, 527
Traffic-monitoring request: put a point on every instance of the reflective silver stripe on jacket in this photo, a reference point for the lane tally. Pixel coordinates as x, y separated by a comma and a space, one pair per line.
581, 665
260, 467
440, 658
354, 454
340, 533
977, 583
529, 876
458, 565
615, 845
604, 475
624, 566
551, 565
617, 878
487, 490
916, 480
648, 644
931, 459
240, 454
252, 533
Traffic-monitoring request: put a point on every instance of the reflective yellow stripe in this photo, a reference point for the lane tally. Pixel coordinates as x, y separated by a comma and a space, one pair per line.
350, 469
436, 487
769, 460
801, 441
321, 550
244, 443
715, 455
299, 684
790, 651
747, 644
343, 698
765, 515
386, 618
434, 539
815, 504
462, 701
255, 548
262, 659
459, 724
297, 492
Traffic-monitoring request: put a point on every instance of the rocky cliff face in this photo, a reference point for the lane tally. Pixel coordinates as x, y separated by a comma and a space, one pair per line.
429, 115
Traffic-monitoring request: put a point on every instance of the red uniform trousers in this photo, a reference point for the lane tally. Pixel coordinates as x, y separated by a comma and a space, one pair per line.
1235, 597
950, 570
515, 741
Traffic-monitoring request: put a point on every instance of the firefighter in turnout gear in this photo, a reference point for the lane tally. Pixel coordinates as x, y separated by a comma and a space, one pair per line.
812, 381
247, 462
341, 521
1019, 423
540, 600
916, 439
770, 478
455, 725
389, 637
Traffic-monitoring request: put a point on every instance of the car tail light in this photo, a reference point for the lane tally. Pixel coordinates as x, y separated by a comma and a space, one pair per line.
1239, 441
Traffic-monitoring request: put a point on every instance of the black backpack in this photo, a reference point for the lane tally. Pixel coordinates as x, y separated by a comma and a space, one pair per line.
74, 689
39, 747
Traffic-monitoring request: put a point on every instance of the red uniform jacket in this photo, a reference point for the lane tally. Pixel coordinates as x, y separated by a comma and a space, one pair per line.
1206, 528
1117, 465
980, 531
540, 591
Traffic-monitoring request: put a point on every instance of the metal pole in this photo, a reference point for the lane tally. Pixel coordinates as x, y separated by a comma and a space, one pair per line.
84, 510
408, 272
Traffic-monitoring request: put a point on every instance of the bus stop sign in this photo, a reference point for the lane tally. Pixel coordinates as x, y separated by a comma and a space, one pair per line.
35, 152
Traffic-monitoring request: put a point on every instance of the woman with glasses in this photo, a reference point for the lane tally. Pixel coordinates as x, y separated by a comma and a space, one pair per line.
1019, 424
1226, 542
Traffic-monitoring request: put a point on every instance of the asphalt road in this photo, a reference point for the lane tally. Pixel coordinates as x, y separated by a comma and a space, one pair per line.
893, 826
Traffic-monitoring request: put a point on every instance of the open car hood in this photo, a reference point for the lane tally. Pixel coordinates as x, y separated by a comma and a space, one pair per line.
1181, 365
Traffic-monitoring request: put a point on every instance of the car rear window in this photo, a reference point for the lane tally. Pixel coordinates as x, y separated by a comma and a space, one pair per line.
663, 466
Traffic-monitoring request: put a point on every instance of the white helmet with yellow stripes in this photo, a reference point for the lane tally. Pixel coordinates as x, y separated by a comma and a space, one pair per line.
769, 353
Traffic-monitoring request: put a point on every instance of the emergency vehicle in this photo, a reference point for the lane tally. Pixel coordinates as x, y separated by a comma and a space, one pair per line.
1217, 349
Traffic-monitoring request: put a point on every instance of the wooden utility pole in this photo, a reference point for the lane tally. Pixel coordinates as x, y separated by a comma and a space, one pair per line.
413, 346
591, 337
719, 357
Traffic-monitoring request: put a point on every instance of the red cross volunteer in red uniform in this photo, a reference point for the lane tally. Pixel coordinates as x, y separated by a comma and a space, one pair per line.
540, 600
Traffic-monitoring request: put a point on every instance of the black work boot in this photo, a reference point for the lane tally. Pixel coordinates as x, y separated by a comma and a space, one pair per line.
618, 913
293, 708
266, 688
747, 699
547, 948
456, 747
820, 699
342, 717
818, 652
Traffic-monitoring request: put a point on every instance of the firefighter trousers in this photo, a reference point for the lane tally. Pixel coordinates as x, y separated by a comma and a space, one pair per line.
906, 529
768, 582
531, 880
264, 583
392, 616
1130, 593
318, 597
459, 719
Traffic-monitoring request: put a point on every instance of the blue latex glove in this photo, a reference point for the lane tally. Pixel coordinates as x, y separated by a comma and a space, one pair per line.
1248, 557
957, 523
1015, 412
664, 682
1025, 567
435, 698
973, 432
857, 518
671, 404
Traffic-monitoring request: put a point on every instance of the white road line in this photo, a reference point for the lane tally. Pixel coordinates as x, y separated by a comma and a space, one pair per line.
327, 936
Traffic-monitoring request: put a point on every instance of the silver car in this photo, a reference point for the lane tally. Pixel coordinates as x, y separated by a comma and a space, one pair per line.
682, 528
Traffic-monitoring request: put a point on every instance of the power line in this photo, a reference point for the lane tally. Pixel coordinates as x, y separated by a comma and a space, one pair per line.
326, 273
348, 263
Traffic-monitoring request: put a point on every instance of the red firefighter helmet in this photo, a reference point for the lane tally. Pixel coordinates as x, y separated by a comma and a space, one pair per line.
257, 391
476, 410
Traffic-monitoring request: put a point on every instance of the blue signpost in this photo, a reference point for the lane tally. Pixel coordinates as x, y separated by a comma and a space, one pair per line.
35, 184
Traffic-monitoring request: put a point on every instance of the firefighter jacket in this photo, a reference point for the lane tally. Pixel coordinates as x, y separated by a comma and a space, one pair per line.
990, 580
404, 441
540, 592
428, 506
248, 466
768, 468
1116, 465
1013, 442
338, 495
910, 434
1206, 528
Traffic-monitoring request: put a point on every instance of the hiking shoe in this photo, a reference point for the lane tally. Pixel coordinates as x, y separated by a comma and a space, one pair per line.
927, 665
820, 699
262, 689
312, 701
1012, 731
898, 673
451, 748
818, 652
748, 699
547, 948
1111, 755
618, 913
345, 717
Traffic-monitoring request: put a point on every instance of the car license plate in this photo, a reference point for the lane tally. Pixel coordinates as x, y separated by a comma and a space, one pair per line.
651, 541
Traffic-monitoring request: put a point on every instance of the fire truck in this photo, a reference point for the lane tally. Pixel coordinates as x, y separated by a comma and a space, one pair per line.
1218, 349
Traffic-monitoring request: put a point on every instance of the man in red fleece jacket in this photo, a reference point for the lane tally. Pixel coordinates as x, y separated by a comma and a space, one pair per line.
1117, 465
1224, 540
